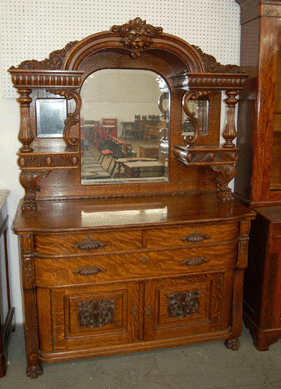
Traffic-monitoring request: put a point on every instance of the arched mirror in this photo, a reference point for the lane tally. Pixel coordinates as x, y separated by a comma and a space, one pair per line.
124, 121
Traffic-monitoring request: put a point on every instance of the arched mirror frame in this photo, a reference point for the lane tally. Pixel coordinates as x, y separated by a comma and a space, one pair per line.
135, 45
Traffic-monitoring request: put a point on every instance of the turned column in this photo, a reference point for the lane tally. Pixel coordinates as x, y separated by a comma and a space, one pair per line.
25, 135
229, 132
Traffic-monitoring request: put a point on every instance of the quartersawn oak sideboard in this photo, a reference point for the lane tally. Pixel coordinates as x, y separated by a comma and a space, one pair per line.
128, 275
114, 261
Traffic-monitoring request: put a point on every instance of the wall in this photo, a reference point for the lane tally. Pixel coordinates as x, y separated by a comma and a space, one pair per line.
33, 28
121, 95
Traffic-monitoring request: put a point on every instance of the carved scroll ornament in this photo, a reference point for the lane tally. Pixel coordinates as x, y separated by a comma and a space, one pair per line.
183, 304
137, 35
95, 313
191, 118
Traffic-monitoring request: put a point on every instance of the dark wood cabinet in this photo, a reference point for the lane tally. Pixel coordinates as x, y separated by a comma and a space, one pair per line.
6, 309
259, 170
128, 262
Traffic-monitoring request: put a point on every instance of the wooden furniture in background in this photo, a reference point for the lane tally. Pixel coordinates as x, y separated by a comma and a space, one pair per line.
6, 309
258, 180
140, 265
149, 151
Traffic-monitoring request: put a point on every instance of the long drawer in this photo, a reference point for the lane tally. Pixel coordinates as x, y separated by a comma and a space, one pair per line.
139, 264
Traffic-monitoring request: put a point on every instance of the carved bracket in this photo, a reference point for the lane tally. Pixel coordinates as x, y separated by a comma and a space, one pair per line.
95, 313
183, 304
222, 175
72, 117
191, 118
137, 35
29, 179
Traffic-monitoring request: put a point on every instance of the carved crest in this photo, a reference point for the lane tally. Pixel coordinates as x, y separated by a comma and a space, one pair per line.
54, 62
212, 66
183, 304
95, 313
137, 35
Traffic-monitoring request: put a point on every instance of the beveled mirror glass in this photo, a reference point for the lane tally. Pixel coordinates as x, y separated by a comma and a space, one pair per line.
199, 110
124, 121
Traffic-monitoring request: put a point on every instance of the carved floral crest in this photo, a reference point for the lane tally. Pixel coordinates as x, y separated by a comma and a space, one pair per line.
137, 35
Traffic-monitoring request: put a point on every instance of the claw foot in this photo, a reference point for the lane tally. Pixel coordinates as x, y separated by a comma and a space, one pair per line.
232, 343
33, 371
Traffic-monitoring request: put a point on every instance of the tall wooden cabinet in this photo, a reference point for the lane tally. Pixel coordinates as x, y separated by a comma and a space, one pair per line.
115, 262
258, 181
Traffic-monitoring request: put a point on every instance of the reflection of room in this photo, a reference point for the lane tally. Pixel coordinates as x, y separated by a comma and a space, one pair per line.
122, 125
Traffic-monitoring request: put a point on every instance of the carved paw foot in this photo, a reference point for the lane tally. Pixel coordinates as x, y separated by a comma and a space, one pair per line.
33, 371
232, 343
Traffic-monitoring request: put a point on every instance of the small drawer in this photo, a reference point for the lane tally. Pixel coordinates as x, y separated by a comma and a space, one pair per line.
88, 242
196, 234
141, 264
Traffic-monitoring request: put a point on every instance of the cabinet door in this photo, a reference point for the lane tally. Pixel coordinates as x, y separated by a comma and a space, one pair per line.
87, 316
187, 306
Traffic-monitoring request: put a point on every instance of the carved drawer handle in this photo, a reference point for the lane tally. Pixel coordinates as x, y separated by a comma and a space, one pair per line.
195, 237
89, 270
144, 259
194, 261
89, 244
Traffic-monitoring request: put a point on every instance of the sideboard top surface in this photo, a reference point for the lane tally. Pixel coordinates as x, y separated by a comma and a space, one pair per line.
60, 216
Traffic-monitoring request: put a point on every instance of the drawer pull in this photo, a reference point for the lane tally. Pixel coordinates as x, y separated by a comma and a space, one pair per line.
195, 237
148, 310
194, 261
135, 311
89, 244
89, 270
144, 259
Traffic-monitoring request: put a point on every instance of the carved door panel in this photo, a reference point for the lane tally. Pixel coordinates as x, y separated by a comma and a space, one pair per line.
186, 306
91, 316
